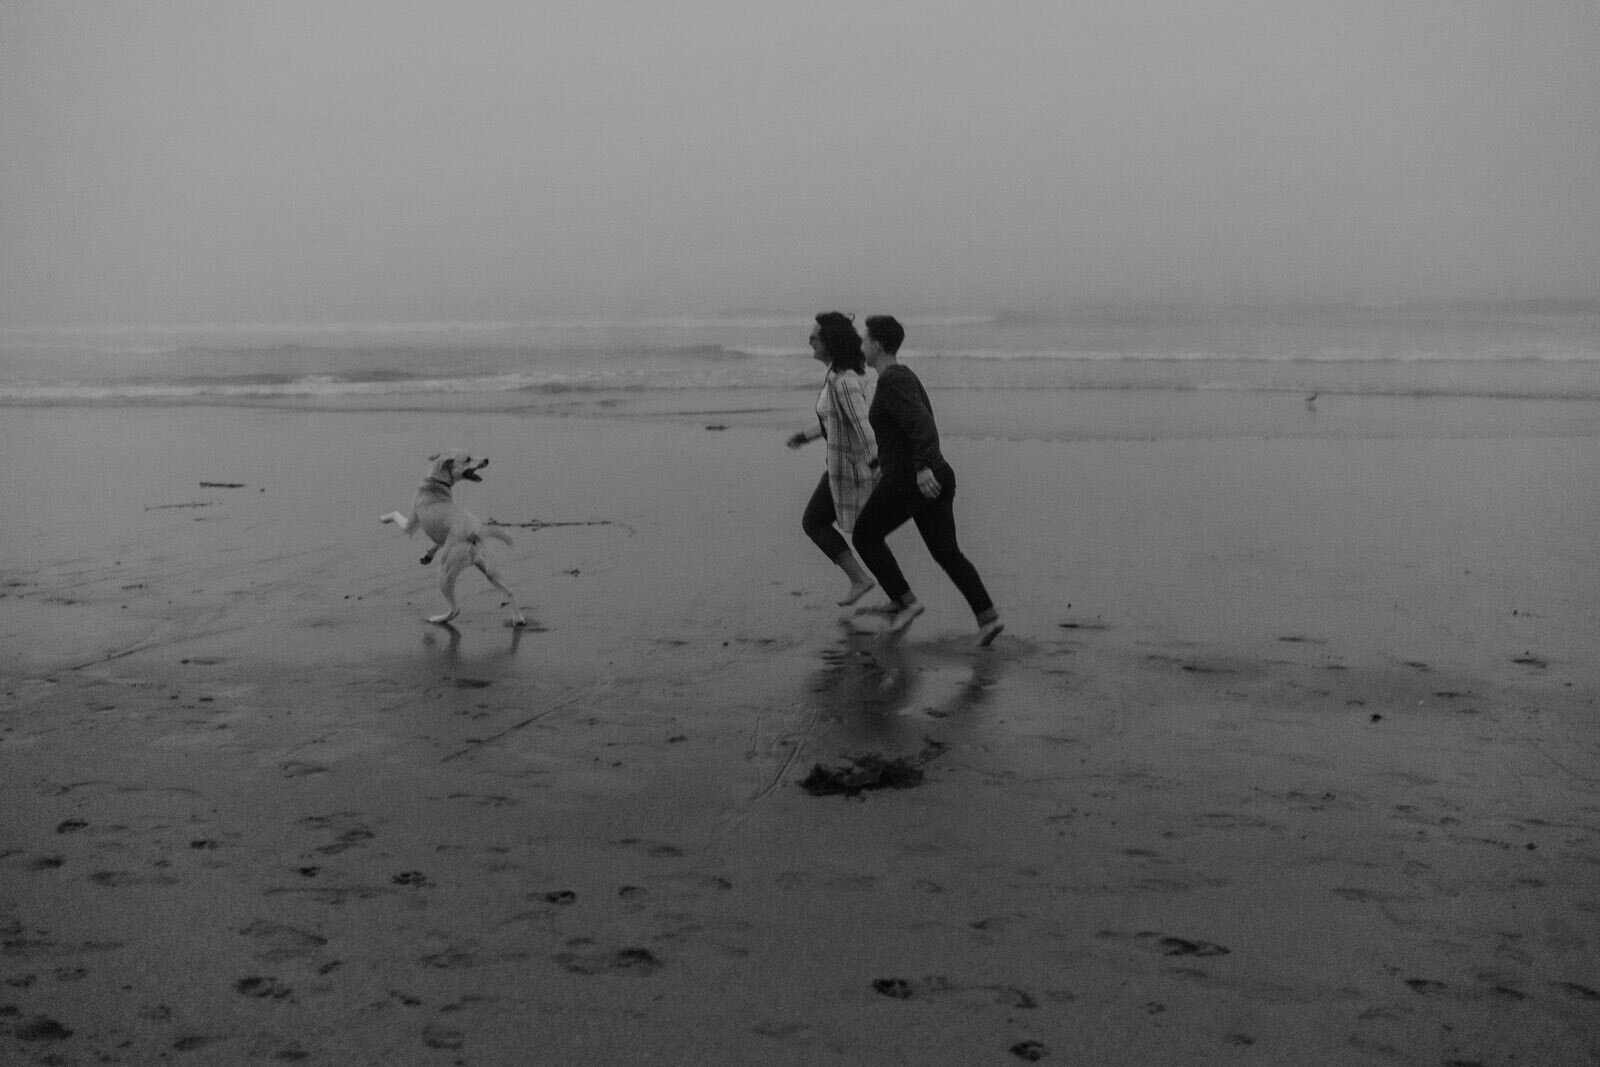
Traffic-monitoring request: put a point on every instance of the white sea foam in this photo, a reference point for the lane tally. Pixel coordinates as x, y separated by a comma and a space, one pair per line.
1483, 350
1323, 356
311, 386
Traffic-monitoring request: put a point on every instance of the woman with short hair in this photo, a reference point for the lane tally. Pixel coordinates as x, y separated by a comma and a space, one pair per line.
916, 483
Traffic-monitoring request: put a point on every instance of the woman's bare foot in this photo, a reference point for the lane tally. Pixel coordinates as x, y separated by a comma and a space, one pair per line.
857, 591
888, 608
988, 631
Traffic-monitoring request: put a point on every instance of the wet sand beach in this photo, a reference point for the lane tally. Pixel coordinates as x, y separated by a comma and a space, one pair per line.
1289, 753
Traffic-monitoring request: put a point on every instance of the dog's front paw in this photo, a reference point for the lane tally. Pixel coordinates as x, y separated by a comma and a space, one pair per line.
425, 560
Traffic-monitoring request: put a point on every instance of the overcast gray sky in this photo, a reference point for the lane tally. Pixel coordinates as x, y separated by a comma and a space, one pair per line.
333, 160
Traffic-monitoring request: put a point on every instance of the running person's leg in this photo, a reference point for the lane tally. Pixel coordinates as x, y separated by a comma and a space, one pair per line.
818, 520
884, 512
936, 522
818, 523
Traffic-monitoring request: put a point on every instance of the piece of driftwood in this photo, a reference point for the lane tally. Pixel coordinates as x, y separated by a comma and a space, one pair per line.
539, 524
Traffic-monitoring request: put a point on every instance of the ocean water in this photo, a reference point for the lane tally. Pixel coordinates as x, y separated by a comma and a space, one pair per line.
1529, 351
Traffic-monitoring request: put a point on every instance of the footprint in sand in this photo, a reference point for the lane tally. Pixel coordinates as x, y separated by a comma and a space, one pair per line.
1426, 986
1375, 896
640, 962
42, 1028
898, 988
442, 1037
331, 895
654, 849
120, 879
1166, 944
279, 942
456, 959
264, 988
348, 840
293, 1052
1576, 991
938, 985
688, 887
1178, 946
485, 800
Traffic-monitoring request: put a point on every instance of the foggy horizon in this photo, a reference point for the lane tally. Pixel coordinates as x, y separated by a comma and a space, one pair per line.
185, 163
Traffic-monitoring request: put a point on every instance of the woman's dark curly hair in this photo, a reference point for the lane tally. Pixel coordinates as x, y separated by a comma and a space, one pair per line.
841, 342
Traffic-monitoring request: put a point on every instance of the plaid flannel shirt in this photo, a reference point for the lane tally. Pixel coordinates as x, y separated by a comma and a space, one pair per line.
842, 408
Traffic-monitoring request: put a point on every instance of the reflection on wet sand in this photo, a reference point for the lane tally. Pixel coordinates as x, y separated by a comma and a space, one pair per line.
895, 697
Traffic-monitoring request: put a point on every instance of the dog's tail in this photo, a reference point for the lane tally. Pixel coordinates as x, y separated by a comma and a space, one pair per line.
497, 533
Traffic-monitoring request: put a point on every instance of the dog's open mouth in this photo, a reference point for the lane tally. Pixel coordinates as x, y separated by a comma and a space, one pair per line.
470, 475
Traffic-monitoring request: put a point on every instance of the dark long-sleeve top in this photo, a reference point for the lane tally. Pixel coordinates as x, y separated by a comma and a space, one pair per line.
902, 420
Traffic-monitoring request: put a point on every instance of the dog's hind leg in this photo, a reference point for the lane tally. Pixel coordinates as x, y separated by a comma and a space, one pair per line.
493, 574
455, 560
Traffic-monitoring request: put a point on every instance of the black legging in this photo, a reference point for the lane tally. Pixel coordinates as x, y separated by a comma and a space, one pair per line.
887, 510
818, 522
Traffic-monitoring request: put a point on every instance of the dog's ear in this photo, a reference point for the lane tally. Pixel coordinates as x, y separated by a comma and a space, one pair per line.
443, 467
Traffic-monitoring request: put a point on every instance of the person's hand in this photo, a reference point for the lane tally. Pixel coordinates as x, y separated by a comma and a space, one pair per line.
928, 484
797, 440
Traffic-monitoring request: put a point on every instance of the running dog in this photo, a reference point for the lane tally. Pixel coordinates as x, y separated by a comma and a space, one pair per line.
456, 533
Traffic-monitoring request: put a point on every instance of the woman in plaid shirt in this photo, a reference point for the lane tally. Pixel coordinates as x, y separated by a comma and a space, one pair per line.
842, 408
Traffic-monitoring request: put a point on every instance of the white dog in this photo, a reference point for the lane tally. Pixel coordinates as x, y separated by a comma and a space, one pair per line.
456, 533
